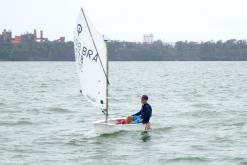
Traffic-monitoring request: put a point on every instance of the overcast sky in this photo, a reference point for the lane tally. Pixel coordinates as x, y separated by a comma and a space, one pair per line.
168, 20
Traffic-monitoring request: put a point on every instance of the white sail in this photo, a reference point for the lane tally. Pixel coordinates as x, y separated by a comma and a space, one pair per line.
91, 60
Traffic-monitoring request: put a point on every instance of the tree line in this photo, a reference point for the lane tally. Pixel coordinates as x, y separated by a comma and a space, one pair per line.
230, 50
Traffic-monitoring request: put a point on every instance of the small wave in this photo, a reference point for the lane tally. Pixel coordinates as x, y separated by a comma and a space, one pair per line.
75, 142
2, 104
34, 110
110, 135
239, 159
204, 113
79, 139
223, 139
239, 124
43, 85
41, 91
59, 110
162, 129
188, 159
15, 123
202, 105
24, 123
243, 163
82, 140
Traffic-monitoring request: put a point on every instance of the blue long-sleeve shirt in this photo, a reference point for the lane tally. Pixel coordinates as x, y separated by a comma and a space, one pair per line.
145, 113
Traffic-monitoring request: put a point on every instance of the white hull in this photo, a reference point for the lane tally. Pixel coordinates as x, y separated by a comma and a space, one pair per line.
102, 127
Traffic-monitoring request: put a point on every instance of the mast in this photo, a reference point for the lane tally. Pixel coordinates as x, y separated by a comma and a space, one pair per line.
107, 83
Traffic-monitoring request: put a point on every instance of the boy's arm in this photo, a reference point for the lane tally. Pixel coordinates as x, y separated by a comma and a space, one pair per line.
137, 114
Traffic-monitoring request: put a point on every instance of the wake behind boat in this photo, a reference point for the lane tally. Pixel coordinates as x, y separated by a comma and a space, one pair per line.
92, 67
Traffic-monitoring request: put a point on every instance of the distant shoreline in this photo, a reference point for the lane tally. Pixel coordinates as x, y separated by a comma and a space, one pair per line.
231, 50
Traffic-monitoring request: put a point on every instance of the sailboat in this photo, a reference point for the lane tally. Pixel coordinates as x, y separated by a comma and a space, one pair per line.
92, 67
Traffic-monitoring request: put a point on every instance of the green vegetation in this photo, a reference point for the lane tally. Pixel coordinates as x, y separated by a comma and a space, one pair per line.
45, 51
231, 50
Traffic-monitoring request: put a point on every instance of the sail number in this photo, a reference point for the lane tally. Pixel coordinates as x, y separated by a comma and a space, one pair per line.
88, 53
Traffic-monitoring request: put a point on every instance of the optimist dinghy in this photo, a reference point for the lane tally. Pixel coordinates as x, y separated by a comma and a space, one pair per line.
92, 67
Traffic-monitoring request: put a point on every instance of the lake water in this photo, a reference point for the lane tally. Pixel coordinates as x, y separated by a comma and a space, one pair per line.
199, 114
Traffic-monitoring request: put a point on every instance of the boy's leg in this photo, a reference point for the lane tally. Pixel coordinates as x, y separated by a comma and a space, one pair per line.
129, 119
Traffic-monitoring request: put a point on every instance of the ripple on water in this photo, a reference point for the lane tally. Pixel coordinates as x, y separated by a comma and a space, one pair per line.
188, 159
58, 110
2, 104
162, 129
243, 163
76, 142
203, 105
18, 123
34, 111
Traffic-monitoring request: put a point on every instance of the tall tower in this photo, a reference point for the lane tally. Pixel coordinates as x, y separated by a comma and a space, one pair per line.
41, 35
35, 34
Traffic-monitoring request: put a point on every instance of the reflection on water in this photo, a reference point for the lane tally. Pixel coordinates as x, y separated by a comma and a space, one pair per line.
145, 136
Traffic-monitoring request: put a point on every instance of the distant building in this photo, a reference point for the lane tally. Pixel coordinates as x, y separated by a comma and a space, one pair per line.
41, 39
148, 39
28, 37
41, 34
16, 40
6, 36
61, 40
35, 34
1, 38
